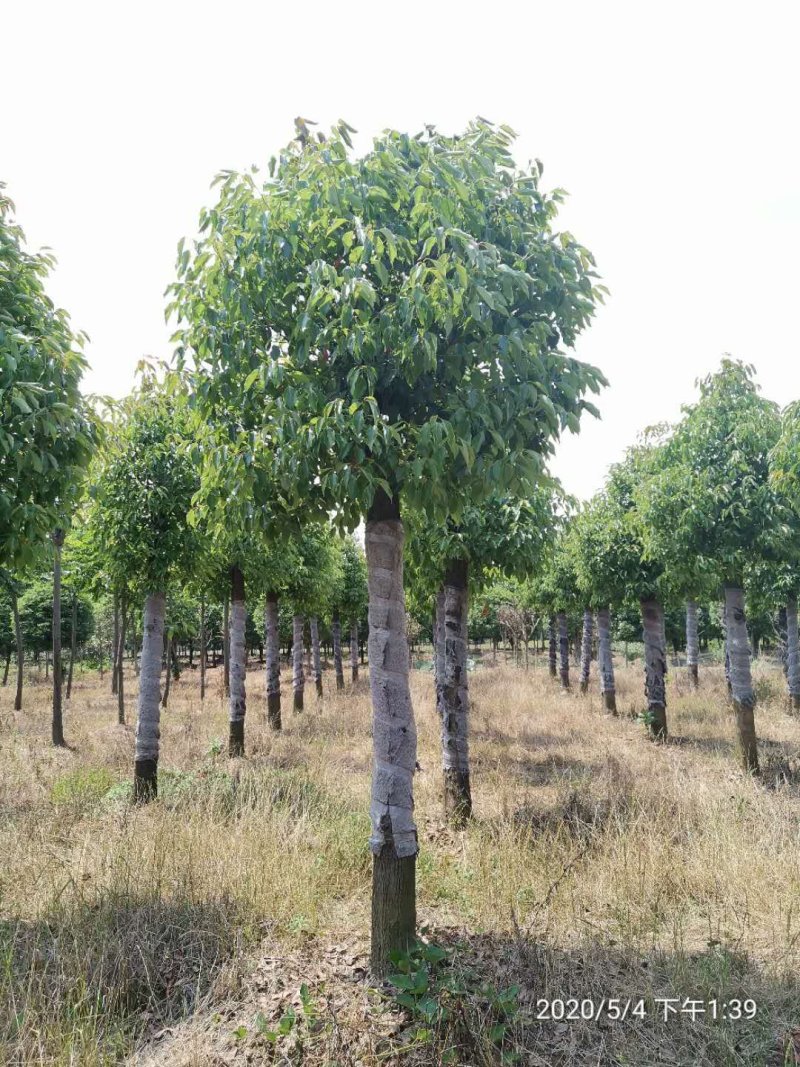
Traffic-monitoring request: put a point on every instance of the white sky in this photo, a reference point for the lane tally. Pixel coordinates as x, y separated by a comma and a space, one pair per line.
674, 126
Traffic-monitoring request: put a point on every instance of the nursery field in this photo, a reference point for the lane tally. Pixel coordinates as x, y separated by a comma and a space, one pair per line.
227, 921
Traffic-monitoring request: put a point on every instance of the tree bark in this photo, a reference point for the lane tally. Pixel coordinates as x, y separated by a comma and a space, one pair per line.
438, 644
394, 834
73, 643
313, 624
608, 685
354, 650
336, 633
20, 654
298, 675
453, 696
236, 656
58, 719
655, 668
226, 649
6, 668
552, 654
273, 662
741, 680
563, 648
202, 648
727, 648
120, 661
692, 643
115, 653
148, 719
167, 667
586, 649
792, 654
781, 627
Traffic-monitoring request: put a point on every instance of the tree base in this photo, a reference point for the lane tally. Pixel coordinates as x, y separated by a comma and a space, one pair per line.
657, 726
274, 711
584, 687
340, 681
236, 739
565, 679
145, 781
693, 675
610, 702
394, 908
457, 798
298, 700
748, 743
318, 684
355, 674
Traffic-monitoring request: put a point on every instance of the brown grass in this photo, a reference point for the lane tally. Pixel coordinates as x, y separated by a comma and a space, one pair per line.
598, 865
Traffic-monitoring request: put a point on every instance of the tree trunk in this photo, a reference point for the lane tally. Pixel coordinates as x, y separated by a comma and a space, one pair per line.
655, 668
115, 653
394, 738
354, 650
167, 653
727, 648
226, 649
6, 668
692, 643
58, 721
792, 654
608, 685
202, 648
145, 771
586, 649
298, 676
781, 627
135, 644
336, 632
236, 658
741, 680
438, 645
120, 660
453, 696
552, 659
313, 624
563, 648
20, 655
273, 662
73, 643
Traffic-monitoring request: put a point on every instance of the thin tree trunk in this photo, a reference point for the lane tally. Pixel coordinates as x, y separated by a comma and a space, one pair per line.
552, 655
741, 680
238, 702
792, 654
148, 719
167, 667
202, 648
135, 644
394, 834
7, 668
336, 631
354, 650
20, 655
298, 676
692, 643
120, 673
73, 643
115, 654
315, 653
608, 685
586, 649
226, 649
563, 648
453, 696
58, 721
655, 668
273, 663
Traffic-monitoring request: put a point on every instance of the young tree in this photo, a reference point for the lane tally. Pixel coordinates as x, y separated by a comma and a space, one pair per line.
395, 322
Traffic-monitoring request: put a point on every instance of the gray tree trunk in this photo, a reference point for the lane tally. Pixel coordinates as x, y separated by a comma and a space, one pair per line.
20, 654
552, 647
145, 772
73, 643
563, 648
354, 650
438, 644
273, 662
202, 648
336, 633
298, 675
313, 624
58, 720
6, 667
792, 654
727, 648
692, 642
655, 668
453, 696
394, 737
741, 680
608, 685
226, 649
586, 649
237, 703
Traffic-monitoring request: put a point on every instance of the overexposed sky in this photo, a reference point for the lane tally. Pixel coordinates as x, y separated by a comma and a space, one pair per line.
672, 125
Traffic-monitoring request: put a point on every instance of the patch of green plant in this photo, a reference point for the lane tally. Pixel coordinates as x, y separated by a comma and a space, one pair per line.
81, 788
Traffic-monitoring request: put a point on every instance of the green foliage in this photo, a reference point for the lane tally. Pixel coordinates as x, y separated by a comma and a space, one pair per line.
82, 788
36, 617
350, 592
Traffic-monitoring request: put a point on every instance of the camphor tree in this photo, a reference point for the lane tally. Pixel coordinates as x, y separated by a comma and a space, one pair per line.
556, 591
395, 322
47, 430
142, 497
785, 479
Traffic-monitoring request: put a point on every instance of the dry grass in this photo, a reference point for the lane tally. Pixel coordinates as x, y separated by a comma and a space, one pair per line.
598, 865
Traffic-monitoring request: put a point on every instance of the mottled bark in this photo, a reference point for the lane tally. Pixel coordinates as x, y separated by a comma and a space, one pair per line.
298, 674
741, 679
552, 654
792, 654
608, 685
20, 654
563, 649
586, 649
692, 642
336, 632
273, 662
394, 834
655, 668
316, 655
237, 703
58, 720
73, 643
453, 696
354, 650
145, 773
